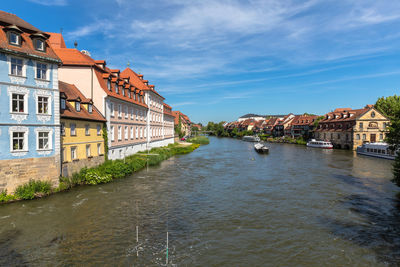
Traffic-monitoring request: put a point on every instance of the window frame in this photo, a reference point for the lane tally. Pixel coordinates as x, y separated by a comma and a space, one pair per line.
87, 129
48, 104
16, 64
72, 126
48, 141
36, 41
25, 103
88, 151
39, 71
74, 153
98, 126
18, 35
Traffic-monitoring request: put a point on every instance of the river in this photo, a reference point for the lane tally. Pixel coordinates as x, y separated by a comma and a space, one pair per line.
222, 205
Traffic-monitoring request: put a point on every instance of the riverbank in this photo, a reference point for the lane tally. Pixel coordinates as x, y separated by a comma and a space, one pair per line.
284, 140
104, 173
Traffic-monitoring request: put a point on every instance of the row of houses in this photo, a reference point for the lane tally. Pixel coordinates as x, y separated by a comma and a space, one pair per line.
345, 127
184, 122
62, 110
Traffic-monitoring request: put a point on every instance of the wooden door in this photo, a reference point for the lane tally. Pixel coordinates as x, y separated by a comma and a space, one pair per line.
373, 138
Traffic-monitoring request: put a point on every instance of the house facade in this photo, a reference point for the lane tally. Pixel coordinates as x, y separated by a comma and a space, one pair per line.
82, 141
182, 120
349, 128
168, 122
29, 104
155, 114
302, 126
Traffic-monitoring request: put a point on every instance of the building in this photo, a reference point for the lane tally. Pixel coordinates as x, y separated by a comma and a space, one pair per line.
168, 122
281, 125
348, 128
184, 122
155, 113
82, 142
302, 126
29, 104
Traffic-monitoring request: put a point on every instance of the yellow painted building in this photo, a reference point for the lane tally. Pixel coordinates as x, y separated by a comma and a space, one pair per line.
82, 141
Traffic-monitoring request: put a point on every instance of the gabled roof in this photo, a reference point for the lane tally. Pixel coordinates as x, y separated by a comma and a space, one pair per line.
28, 32
137, 81
73, 93
72, 56
56, 40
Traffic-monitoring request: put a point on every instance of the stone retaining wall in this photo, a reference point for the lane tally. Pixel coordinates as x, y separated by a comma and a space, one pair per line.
15, 172
69, 168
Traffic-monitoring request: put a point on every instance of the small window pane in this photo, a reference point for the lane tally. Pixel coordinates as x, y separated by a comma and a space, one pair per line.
43, 105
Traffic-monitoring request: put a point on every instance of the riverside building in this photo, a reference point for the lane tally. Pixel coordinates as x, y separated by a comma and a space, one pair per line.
82, 142
29, 105
349, 128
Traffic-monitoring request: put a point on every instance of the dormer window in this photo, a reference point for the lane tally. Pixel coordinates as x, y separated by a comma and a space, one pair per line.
39, 44
116, 88
123, 91
14, 38
63, 103
109, 85
78, 106
129, 93
90, 108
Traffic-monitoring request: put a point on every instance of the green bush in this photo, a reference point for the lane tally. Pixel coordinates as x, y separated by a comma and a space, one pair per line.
6, 198
33, 189
202, 140
93, 176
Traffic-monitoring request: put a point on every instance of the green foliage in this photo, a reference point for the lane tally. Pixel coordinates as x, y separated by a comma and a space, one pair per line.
93, 176
202, 140
316, 122
33, 189
6, 198
105, 137
389, 106
217, 129
396, 170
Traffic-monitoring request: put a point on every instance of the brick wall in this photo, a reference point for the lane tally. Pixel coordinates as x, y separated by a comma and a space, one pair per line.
16, 172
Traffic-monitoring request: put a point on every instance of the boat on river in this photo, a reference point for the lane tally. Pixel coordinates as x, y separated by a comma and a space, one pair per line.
319, 144
250, 138
379, 150
261, 148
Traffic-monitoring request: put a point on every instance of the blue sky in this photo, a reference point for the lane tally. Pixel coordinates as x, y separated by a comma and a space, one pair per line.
218, 60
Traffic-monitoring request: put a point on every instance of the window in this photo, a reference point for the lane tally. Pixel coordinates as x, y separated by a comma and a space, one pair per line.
16, 66
129, 93
361, 125
39, 44
73, 152
63, 103
98, 129
131, 132
137, 114
126, 112
126, 132
18, 141
137, 133
141, 132
88, 154
357, 137
18, 103
62, 128
132, 114
364, 137
87, 129
119, 111
112, 133
43, 105
112, 109
90, 108
381, 137
119, 133
77, 106
109, 85
372, 114
99, 149
41, 70
14, 38
116, 88
73, 129
123, 91
43, 140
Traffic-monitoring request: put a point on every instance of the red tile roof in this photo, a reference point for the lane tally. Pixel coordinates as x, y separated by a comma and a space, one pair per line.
56, 40
73, 93
8, 20
167, 109
72, 56
138, 82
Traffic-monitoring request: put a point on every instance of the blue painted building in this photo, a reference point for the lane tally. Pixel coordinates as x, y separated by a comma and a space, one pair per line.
29, 105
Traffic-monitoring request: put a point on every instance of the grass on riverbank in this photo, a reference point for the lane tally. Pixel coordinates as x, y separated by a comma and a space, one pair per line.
201, 140
104, 173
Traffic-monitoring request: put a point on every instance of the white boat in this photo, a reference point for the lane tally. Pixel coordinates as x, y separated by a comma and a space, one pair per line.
261, 148
250, 138
319, 144
379, 150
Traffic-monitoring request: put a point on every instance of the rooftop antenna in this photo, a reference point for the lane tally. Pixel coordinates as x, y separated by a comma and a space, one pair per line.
128, 64
61, 30
76, 44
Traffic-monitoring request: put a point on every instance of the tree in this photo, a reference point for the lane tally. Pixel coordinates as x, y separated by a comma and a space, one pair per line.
389, 106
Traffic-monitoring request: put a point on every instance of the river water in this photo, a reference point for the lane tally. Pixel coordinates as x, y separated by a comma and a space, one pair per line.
222, 205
